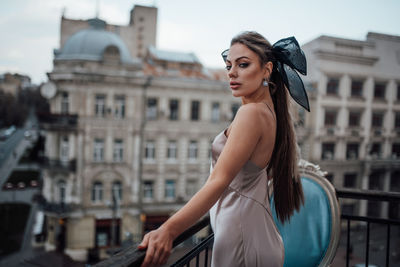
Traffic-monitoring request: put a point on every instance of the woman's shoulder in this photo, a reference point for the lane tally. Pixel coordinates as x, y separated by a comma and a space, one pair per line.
257, 112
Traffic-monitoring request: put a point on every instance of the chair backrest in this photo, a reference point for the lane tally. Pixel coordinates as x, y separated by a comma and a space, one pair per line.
311, 237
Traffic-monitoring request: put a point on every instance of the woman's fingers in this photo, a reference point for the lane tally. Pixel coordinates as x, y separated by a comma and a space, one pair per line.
144, 243
149, 256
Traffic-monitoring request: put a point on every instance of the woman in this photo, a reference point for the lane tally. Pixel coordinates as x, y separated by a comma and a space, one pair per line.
259, 141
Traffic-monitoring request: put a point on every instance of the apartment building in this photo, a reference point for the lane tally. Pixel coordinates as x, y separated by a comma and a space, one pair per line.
128, 140
353, 131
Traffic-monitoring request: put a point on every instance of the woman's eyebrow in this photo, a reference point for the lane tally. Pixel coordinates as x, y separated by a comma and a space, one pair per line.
239, 58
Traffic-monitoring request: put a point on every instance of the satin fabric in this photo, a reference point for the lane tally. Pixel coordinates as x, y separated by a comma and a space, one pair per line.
245, 234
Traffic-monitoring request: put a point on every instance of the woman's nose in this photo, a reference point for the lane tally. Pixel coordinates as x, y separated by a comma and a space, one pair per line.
232, 73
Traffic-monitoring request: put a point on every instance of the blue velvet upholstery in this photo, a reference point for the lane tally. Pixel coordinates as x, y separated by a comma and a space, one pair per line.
307, 236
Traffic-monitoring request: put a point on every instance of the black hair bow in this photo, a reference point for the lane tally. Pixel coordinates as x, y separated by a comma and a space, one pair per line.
289, 57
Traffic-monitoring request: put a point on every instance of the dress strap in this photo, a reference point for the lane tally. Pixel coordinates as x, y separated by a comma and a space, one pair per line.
273, 113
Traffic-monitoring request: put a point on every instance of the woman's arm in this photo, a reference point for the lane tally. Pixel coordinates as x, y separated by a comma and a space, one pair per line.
244, 135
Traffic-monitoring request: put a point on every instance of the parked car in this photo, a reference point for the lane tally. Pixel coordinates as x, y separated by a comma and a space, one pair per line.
7, 132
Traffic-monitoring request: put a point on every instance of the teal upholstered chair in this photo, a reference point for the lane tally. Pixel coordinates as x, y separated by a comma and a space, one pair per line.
311, 237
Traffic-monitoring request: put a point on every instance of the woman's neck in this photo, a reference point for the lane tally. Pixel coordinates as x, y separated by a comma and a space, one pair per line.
261, 95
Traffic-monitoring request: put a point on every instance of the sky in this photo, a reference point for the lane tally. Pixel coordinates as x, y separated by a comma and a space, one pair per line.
30, 29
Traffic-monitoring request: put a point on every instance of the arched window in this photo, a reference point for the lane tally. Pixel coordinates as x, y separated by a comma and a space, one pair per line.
116, 190
97, 192
111, 54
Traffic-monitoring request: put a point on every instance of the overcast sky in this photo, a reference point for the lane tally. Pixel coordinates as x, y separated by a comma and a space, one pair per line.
30, 29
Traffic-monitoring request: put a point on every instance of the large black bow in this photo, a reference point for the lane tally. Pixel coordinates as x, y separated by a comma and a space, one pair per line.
289, 57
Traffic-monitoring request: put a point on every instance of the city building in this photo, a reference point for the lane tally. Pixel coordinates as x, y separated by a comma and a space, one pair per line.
128, 139
14, 83
353, 130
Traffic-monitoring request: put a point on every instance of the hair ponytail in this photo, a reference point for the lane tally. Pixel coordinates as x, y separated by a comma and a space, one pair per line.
283, 168
288, 191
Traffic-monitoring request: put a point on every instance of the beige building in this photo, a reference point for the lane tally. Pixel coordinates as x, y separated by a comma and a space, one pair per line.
128, 138
14, 83
353, 130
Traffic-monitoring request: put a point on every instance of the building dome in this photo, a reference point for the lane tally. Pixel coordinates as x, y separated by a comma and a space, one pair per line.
93, 43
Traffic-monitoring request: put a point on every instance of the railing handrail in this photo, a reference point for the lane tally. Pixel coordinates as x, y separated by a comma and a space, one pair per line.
376, 195
133, 257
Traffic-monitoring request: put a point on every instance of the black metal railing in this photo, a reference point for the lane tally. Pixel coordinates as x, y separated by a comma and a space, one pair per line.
51, 121
371, 195
133, 257
56, 164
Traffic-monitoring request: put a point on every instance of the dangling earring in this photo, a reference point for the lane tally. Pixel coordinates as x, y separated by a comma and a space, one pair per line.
265, 83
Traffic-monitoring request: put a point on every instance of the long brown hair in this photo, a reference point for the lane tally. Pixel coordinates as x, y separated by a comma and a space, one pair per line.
288, 191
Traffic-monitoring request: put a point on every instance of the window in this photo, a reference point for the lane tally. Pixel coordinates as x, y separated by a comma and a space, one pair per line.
329, 177
332, 87
170, 189
195, 110
375, 150
348, 209
100, 106
328, 150
395, 181
191, 187
119, 111
398, 91
234, 108
377, 119
396, 150
215, 116
151, 111
116, 191
172, 151
192, 152
352, 151
354, 118
64, 103
350, 180
356, 88
173, 109
397, 120
98, 150
64, 149
97, 192
118, 153
61, 191
150, 150
379, 90
376, 180
330, 117
210, 149
148, 190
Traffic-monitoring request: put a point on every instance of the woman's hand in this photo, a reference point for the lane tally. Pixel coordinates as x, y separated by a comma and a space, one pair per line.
159, 246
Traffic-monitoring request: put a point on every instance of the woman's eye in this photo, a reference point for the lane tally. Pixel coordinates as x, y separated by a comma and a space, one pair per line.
243, 65
228, 67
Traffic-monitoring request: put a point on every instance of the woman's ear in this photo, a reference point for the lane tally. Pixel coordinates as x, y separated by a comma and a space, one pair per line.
268, 68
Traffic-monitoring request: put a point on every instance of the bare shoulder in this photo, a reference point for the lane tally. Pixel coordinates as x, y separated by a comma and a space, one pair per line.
248, 117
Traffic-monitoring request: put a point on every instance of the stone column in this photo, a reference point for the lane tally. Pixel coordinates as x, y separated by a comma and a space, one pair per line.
364, 185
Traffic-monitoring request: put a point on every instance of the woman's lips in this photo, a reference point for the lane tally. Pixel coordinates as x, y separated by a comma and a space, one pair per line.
234, 85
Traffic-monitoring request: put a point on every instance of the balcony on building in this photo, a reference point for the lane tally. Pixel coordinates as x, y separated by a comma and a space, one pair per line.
57, 122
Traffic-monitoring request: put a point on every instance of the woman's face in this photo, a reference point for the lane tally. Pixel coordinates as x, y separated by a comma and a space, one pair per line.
245, 71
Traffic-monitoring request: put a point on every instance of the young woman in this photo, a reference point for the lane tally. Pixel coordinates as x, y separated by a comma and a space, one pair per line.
259, 144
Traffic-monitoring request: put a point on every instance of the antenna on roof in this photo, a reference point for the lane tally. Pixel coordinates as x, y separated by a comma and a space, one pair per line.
97, 9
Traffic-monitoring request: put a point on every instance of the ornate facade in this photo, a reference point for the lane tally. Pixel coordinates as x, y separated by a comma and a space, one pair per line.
128, 138
353, 131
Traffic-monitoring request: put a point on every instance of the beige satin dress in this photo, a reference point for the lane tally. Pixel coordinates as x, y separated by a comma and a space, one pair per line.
245, 234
